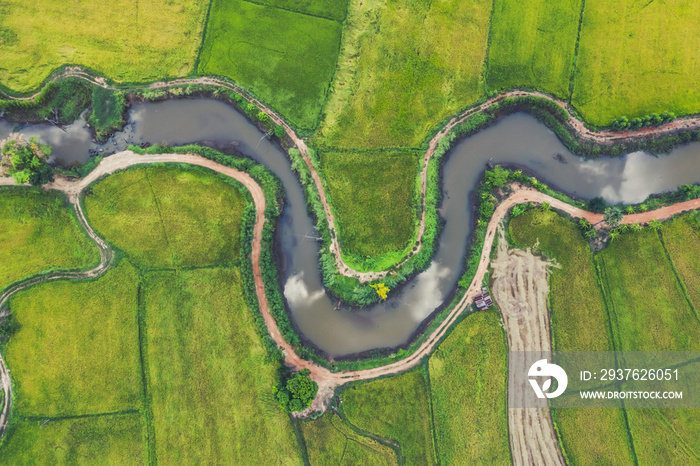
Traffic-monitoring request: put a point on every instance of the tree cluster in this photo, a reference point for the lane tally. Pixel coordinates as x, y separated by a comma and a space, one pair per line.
25, 161
654, 119
296, 392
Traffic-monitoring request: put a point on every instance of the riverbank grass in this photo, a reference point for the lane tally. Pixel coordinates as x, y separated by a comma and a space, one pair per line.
375, 197
403, 67
532, 45
285, 58
126, 41
168, 216
396, 408
637, 58
468, 378
39, 232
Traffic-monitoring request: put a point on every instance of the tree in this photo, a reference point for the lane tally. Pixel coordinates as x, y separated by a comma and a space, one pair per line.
613, 216
498, 177
297, 393
25, 161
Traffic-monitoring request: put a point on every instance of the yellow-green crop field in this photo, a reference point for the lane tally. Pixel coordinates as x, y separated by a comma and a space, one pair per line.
532, 44
125, 41
637, 57
32, 217
160, 358
468, 377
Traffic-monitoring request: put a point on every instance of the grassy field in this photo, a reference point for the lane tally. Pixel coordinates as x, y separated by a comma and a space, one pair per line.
373, 194
330, 441
637, 57
126, 41
113, 440
679, 237
31, 217
76, 351
468, 383
665, 436
286, 58
532, 45
648, 309
168, 217
396, 408
205, 356
330, 9
403, 67
579, 322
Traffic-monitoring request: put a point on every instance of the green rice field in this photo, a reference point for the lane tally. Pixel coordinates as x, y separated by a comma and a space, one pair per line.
532, 44
468, 377
125, 41
397, 408
287, 59
30, 217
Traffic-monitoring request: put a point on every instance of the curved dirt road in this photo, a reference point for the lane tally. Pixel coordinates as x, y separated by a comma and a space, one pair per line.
326, 379
576, 125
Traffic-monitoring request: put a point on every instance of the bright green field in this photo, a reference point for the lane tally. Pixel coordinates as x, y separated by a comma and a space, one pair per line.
403, 67
648, 309
124, 40
113, 440
637, 57
31, 217
287, 59
210, 384
77, 350
330, 441
680, 236
468, 378
532, 45
168, 217
331, 9
397, 408
373, 195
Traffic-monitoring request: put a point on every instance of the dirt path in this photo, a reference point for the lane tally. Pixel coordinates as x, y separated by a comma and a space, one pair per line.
520, 287
578, 126
327, 381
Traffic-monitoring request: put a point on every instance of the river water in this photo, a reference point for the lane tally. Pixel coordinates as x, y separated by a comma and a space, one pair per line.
517, 139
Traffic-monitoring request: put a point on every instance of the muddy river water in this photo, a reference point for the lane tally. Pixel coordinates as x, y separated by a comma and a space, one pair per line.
517, 139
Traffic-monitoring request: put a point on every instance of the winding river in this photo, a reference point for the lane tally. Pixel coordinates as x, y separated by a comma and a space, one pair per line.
517, 139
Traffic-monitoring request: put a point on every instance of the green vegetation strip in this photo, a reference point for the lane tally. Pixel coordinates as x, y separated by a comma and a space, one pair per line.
404, 66
637, 58
76, 350
209, 375
468, 376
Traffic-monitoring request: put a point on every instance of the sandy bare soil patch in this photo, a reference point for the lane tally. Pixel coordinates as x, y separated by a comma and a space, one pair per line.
520, 288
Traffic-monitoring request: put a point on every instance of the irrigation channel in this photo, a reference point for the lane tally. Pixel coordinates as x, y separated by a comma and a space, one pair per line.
517, 139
